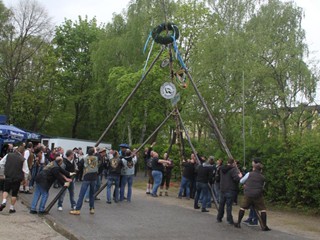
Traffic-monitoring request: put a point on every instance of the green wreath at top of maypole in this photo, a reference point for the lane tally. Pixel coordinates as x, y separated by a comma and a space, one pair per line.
173, 33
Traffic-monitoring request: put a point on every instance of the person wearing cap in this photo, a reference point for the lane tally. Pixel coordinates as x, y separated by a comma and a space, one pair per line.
254, 183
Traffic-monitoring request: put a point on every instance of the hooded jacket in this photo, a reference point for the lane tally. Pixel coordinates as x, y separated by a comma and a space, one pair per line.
229, 178
128, 165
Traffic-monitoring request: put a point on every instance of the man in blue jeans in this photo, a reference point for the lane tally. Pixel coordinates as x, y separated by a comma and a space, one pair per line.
204, 176
44, 181
90, 174
114, 171
187, 177
69, 165
229, 180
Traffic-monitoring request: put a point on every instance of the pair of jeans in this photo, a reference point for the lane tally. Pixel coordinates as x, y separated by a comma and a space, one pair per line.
157, 178
96, 187
226, 198
42, 193
71, 196
84, 187
185, 184
126, 179
216, 188
113, 179
201, 188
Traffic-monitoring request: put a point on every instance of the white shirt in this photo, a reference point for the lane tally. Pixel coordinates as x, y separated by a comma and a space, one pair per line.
25, 167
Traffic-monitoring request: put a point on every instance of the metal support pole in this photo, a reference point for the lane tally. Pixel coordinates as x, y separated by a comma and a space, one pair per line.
215, 126
188, 137
157, 129
129, 97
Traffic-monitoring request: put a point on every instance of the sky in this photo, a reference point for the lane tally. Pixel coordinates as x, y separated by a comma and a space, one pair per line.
103, 10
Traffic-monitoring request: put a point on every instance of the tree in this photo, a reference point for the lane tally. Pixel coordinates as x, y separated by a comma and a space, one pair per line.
281, 75
23, 34
73, 41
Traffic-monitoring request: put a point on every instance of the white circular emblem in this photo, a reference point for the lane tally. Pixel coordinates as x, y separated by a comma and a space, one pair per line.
168, 90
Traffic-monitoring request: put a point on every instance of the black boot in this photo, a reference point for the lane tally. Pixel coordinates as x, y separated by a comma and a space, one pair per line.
240, 216
264, 222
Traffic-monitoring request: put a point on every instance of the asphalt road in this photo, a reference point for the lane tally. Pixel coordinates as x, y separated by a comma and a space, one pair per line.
147, 218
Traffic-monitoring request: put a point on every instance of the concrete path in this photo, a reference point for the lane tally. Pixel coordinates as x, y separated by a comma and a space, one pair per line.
148, 218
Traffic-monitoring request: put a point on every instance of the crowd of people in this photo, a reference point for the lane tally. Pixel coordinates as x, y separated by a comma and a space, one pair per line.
35, 169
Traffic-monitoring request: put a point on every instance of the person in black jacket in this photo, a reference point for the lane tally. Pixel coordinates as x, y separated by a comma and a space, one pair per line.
204, 176
69, 164
187, 177
229, 180
44, 181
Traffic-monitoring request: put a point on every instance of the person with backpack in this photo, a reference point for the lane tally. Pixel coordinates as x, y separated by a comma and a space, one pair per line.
127, 173
114, 170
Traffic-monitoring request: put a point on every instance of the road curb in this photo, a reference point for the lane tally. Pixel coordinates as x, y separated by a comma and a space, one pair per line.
51, 221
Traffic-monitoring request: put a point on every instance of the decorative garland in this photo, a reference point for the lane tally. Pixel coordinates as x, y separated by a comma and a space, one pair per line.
169, 38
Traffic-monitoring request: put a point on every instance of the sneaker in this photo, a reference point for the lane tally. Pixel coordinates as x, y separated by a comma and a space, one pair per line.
96, 198
60, 208
86, 200
204, 210
33, 212
148, 193
27, 192
253, 224
75, 212
42, 212
12, 211
109, 202
2, 206
247, 221
154, 195
91, 210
